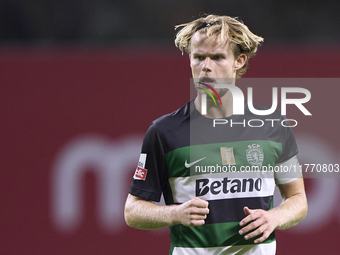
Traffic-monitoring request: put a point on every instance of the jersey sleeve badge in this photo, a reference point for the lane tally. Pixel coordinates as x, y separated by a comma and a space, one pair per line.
141, 172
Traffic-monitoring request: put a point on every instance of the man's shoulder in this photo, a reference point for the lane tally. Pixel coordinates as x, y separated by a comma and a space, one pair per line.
173, 119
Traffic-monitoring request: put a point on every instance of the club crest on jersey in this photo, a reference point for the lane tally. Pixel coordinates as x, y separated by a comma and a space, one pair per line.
254, 155
227, 155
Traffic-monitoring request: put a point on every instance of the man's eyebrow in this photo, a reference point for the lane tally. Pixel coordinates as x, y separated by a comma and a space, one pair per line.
218, 54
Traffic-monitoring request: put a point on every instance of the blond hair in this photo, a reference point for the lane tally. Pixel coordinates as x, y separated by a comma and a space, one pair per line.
240, 38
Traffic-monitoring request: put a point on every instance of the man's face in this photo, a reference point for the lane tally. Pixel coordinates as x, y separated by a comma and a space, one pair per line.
212, 60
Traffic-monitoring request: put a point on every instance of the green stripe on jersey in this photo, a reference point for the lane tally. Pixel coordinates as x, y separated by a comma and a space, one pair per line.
210, 155
210, 235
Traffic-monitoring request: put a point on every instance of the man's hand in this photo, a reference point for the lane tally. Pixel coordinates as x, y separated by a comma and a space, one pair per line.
260, 222
289, 213
191, 213
142, 214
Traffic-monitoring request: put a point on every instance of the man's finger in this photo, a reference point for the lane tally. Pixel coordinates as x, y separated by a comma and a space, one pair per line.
251, 217
248, 211
200, 211
199, 203
198, 217
197, 223
256, 232
264, 236
249, 227
253, 221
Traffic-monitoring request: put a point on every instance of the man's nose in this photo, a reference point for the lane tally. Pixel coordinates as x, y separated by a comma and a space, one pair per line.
206, 65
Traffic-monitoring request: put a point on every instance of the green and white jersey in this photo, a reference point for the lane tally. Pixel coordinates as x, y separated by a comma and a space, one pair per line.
184, 156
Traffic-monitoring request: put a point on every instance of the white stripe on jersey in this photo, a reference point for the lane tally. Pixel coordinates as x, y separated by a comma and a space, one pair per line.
263, 249
186, 188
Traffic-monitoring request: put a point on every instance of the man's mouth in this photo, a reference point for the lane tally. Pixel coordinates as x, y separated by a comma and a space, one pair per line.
206, 80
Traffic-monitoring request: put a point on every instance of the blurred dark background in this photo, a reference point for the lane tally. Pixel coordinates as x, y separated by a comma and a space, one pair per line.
151, 23
81, 81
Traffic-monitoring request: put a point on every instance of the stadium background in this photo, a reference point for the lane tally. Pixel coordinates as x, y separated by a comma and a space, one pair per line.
82, 80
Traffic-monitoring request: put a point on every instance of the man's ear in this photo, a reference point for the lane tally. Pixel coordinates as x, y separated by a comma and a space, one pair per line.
240, 61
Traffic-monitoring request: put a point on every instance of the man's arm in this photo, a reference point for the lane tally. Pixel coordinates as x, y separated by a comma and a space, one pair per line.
290, 212
143, 214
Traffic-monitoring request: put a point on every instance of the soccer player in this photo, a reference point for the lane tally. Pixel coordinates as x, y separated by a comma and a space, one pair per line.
210, 209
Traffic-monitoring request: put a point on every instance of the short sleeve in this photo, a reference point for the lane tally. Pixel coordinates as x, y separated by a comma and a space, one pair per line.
287, 167
151, 169
287, 171
289, 146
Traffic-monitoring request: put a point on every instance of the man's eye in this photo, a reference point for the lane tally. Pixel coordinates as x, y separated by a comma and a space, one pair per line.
199, 57
217, 57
